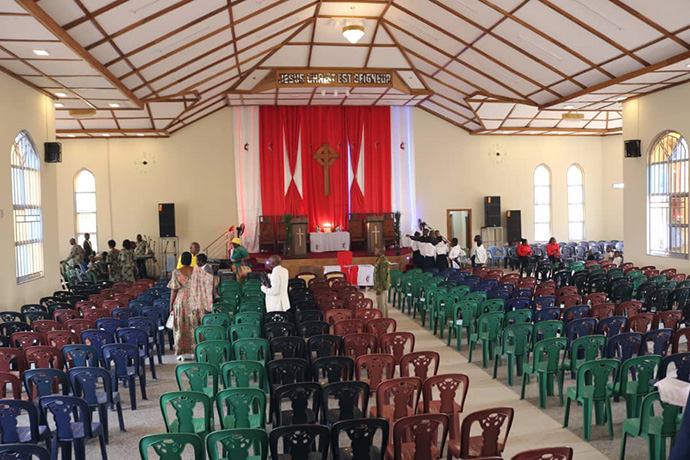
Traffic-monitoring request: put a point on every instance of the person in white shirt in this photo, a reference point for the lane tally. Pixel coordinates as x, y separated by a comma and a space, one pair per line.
441, 254
456, 253
481, 254
202, 263
473, 250
277, 294
617, 258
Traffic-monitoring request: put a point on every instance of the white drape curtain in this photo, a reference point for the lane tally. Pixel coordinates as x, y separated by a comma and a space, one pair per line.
247, 173
403, 196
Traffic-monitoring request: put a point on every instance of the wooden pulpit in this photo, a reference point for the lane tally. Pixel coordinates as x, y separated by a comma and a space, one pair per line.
374, 226
298, 226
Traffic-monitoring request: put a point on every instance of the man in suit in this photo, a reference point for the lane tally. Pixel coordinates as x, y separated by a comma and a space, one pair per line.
277, 294
88, 249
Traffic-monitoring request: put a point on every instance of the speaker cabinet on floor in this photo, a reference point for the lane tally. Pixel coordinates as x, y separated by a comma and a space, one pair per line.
492, 211
513, 225
166, 219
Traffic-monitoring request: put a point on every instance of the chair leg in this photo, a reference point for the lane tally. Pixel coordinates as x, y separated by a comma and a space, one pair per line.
511, 367
142, 384
153, 367
104, 451
160, 346
120, 418
609, 416
103, 418
560, 387
79, 449
132, 393
624, 438
566, 414
542, 382
524, 381
587, 418
496, 358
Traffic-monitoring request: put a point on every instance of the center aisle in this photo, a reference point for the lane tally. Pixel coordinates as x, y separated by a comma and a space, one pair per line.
531, 428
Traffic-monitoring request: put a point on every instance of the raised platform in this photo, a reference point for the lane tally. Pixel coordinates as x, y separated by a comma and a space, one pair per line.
314, 262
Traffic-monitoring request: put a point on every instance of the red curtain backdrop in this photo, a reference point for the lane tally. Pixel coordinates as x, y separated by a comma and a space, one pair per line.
271, 162
359, 126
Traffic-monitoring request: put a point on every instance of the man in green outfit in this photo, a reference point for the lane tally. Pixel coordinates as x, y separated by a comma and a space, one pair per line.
382, 280
76, 254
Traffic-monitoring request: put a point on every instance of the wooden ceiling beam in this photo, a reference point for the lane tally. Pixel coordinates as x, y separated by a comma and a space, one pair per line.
137, 24
50, 24
233, 34
317, 10
650, 23
407, 58
593, 31
200, 118
28, 83
444, 118
92, 14
376, 31
109, 131
549, 38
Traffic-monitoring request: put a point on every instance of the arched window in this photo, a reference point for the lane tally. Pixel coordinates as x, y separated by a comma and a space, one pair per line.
576, 203
85, 206
26, 208
667, 195
542, 203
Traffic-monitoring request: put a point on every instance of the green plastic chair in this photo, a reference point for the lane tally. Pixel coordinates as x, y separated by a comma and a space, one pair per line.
254, 307
546, 359
637, 282
655, 428
547, 330
251, 349
184, 403
210, 332
213, 351
683, 284
243, 331
582, 350
492, 305
396, 277
644, 371
415, 292
225, 307
577, 266
596, 394
659, 279
427, 303
238, 444
462, 291
514, 343
170, 446
229, 285
464, 317
241, 408
217, 319
632, 274
614, 273
200, 377
249, 318
479, 296
445, 307
488, 328
670, 285
243, 374
518, 317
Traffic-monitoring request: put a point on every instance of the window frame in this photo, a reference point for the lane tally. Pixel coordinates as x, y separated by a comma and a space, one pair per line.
80, 235
582, 203
549, 204
659, 178
24, 159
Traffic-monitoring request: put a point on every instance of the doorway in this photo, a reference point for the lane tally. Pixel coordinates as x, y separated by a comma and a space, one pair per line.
460, 226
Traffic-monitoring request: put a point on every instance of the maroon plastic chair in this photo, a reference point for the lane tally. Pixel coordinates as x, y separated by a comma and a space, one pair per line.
94, 314
546, 453
667, 319
495, 424
570, 300
422, 364
79, 325
356, 345
24, 340
348, 326
445, 394
419, 437
397, 398
367, 314
675, 340
602, 310
397, 343
59, 339
12, 361
44, 357
62, 316
374, 369
7, 378
629, 308
641, 322
381, 326
334, 315
45, 325
595, 298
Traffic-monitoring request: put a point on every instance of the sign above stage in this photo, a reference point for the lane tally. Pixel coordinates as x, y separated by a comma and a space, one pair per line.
318, 78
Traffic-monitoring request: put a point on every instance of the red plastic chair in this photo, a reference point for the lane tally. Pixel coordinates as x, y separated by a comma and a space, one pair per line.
566, 290
79, 325
381, 326
422, 364
123, 298
356, 345
45, 325
397, 398
495, 425
111, 305
367, 314
44, 357
602, 310
24, 340
570, 300
374, 369
12, 361
675, 340
95, 314
338, 314
359, 304
62, 316
397, 344
667, 319
59, 339
546, 453
629, 308
595, 298
86, 305
348, 326
446, 394
640, 322
7, 378
419, 437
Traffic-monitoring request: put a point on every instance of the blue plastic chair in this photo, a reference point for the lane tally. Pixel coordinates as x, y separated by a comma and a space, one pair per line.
661, 339
45, 382
31, 316
150, 326
97, 338
123, 313
140, 338
11, 432
498, 257
80, 356
547, 314
517, 304
545, 301
500, 294
138, 305
579, 328
160, 315
681, 361
611, 326
124, 358
623, 346
575, 312
109, 324
522, 293
73, 423
147, 298
23, 452
86, 382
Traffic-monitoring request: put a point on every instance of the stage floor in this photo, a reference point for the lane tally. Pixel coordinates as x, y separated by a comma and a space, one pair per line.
314, 262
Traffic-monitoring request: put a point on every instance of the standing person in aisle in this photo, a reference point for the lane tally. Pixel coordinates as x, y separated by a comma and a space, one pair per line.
382, 280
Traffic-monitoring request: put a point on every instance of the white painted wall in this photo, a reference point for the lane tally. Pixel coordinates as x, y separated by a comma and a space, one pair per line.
23, 108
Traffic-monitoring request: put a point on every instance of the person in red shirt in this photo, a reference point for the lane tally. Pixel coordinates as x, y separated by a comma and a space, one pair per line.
524, 252
553, 250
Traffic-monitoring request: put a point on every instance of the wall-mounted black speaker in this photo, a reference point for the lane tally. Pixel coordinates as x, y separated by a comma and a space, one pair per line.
492, 211
53, 152
632, 148
513, 225
166, 219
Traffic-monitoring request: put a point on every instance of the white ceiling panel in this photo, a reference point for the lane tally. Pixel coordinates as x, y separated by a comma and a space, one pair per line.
323, 56
23, 28
289, 56
387, 58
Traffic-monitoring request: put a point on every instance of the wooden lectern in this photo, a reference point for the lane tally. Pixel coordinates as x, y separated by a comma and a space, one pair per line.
298, 225
374, 225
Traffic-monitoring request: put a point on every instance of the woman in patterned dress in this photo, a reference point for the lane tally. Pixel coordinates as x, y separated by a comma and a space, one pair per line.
191, 299
114, 262
127, 263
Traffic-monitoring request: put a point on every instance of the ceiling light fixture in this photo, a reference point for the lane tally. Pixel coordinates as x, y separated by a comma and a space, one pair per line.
58, 105
140, 134
569, 107
106, 135
61, 94
618, 185
595, 12
353, 32
71, 135
621, 98
41, 53
114, 105
541, 48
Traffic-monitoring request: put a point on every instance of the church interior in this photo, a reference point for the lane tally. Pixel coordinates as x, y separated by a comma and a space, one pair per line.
480, 209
